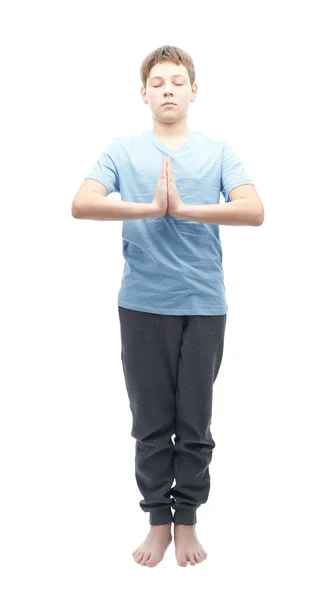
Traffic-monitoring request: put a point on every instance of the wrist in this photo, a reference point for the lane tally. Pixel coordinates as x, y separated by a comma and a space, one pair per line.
155, 211
180, 212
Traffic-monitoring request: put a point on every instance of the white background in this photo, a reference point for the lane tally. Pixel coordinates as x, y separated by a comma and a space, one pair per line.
70, 515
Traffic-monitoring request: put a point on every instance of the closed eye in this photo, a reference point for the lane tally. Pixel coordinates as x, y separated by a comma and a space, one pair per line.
175, 84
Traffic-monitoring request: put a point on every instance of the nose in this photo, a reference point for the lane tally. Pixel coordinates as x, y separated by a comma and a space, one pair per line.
168, 88
168, 97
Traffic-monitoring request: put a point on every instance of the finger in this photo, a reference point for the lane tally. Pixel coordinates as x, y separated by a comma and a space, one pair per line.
164, 167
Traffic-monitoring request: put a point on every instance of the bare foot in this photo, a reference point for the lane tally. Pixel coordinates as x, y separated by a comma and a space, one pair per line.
152, 550
187, 546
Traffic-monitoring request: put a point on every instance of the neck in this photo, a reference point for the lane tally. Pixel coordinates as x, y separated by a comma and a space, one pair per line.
170, 130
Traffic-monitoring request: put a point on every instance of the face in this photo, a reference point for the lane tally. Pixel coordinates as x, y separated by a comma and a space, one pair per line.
168, 82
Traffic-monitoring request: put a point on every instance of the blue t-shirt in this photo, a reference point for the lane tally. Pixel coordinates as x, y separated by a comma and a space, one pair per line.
172, 266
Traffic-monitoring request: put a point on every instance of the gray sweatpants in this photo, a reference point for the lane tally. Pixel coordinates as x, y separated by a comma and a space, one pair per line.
170, 364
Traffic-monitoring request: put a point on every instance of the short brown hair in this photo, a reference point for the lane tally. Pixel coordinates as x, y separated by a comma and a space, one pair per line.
169, 54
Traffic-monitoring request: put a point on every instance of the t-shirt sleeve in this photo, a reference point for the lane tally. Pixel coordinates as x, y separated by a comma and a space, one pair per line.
232, 172
105, 168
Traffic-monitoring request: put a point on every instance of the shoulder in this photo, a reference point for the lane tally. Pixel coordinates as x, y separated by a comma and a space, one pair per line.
210, 143
127, 142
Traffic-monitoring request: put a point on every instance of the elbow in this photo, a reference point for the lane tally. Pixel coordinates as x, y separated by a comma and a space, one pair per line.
259, 219
76, 212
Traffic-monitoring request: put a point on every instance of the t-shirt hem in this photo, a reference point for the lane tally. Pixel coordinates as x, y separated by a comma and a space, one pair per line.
100, 180
175, 311
232, 187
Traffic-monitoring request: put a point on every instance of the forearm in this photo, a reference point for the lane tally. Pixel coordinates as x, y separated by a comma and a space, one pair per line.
238, 212
97, 207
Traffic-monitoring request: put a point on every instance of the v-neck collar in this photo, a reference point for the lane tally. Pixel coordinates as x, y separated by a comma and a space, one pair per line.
166, 148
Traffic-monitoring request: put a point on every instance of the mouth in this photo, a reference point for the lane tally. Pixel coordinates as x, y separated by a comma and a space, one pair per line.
169, 104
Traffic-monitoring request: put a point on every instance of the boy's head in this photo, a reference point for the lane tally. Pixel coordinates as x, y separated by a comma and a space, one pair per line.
168, 74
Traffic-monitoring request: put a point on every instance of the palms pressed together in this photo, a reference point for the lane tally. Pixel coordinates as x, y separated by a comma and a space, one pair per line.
175, 203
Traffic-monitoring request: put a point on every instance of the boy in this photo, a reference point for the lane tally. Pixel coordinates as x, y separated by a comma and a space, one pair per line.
172, 305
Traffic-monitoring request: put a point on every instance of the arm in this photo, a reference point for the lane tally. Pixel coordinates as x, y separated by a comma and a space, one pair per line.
245, 208
91, 202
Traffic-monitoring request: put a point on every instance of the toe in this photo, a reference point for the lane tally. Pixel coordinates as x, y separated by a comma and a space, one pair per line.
198, 556
181, 560
192, 559
138, 557
143, 561
151, 562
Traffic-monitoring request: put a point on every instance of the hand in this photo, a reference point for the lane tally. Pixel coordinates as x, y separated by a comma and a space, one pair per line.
160, 201
175, 203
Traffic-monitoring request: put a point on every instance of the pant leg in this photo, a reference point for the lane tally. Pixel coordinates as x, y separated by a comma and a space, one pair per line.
149, 354
199, 362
